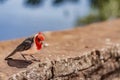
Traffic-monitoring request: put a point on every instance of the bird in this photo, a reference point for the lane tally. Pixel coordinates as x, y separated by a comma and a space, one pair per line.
29, 46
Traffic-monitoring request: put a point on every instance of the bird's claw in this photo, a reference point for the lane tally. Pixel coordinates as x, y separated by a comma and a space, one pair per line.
36, 60
8, 58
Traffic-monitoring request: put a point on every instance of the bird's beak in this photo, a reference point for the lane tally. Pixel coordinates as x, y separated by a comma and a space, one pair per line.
44, 44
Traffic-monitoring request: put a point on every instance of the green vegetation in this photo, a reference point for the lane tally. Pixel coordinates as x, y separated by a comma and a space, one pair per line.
101, 10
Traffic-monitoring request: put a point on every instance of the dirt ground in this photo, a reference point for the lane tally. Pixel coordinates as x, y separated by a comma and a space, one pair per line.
62, 44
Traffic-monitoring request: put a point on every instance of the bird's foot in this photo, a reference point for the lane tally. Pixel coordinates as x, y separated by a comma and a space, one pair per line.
8, 58
36, 60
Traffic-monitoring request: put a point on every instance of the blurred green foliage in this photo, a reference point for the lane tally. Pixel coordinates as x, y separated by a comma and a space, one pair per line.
105, 9
87, 20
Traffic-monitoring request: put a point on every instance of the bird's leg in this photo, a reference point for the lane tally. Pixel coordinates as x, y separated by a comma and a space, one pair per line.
34, 58
23, 56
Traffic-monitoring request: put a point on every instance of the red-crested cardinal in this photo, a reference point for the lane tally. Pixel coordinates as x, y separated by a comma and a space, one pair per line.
29, 46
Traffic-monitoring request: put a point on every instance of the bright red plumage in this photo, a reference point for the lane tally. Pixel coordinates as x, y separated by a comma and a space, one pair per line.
38, 44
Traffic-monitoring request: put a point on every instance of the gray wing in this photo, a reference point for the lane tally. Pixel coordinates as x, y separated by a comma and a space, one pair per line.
25, 45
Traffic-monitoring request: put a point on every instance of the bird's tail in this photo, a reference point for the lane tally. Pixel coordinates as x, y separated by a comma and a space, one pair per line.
10, 54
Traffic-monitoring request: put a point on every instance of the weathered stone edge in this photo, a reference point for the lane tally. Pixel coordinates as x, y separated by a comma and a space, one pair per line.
93, 65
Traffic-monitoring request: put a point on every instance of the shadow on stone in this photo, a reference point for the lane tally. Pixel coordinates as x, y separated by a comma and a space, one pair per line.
18, 63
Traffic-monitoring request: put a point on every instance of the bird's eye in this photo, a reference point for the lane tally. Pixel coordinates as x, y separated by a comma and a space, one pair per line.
39, 40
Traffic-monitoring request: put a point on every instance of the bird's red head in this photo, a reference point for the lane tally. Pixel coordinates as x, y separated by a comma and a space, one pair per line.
39, 38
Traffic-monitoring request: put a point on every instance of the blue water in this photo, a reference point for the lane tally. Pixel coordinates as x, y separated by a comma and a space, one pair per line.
19, 20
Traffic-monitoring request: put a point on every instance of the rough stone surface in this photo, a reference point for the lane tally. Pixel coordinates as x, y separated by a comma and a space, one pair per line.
91, 66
